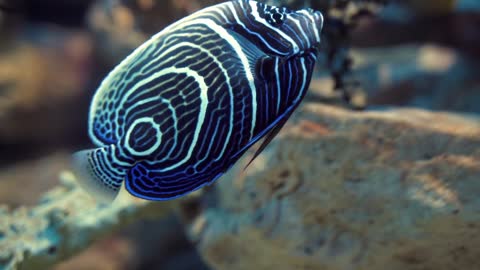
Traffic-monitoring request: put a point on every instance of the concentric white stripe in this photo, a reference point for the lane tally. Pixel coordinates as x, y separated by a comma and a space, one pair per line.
158, 139
105, 84
238, 49
243, 58
173, 113
230, 91
203, 103
225, 72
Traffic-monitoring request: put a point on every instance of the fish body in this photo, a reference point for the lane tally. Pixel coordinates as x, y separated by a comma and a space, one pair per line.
182, 108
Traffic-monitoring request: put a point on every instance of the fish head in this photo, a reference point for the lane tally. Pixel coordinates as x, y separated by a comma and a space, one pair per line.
279, 30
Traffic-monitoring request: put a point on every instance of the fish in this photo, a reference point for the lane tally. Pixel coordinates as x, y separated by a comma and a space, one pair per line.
183, 107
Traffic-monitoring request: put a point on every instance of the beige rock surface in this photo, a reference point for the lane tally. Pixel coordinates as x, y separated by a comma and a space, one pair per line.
390, 189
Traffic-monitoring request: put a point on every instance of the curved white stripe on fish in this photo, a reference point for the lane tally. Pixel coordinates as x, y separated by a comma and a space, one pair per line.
243, 58
203, 103
158, 134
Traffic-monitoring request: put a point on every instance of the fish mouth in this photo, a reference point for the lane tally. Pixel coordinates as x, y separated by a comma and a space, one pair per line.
298, 35
317, 21
314, 25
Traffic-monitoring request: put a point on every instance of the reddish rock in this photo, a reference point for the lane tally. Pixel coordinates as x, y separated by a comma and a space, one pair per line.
392, 189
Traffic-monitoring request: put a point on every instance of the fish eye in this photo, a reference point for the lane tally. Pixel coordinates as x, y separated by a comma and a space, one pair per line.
276, 18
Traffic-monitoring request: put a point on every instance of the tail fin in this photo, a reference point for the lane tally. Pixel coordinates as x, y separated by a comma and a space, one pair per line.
96, 173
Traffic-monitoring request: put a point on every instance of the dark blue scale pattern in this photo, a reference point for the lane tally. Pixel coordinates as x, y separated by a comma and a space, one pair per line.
137, 91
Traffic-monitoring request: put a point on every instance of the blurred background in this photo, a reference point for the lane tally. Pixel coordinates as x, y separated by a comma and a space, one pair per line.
54, 53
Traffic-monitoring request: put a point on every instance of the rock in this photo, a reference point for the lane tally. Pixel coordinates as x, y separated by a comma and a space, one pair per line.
427, 76
383, 189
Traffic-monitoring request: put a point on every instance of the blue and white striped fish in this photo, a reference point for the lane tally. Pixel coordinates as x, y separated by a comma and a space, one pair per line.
180, 110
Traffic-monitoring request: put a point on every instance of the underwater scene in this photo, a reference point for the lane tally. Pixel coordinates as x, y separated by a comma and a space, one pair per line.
240, 135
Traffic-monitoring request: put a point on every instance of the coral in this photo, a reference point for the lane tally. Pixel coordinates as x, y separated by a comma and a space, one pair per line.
387, 189
65, 221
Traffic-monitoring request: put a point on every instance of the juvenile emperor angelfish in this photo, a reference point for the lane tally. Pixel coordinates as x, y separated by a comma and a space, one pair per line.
181, 109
